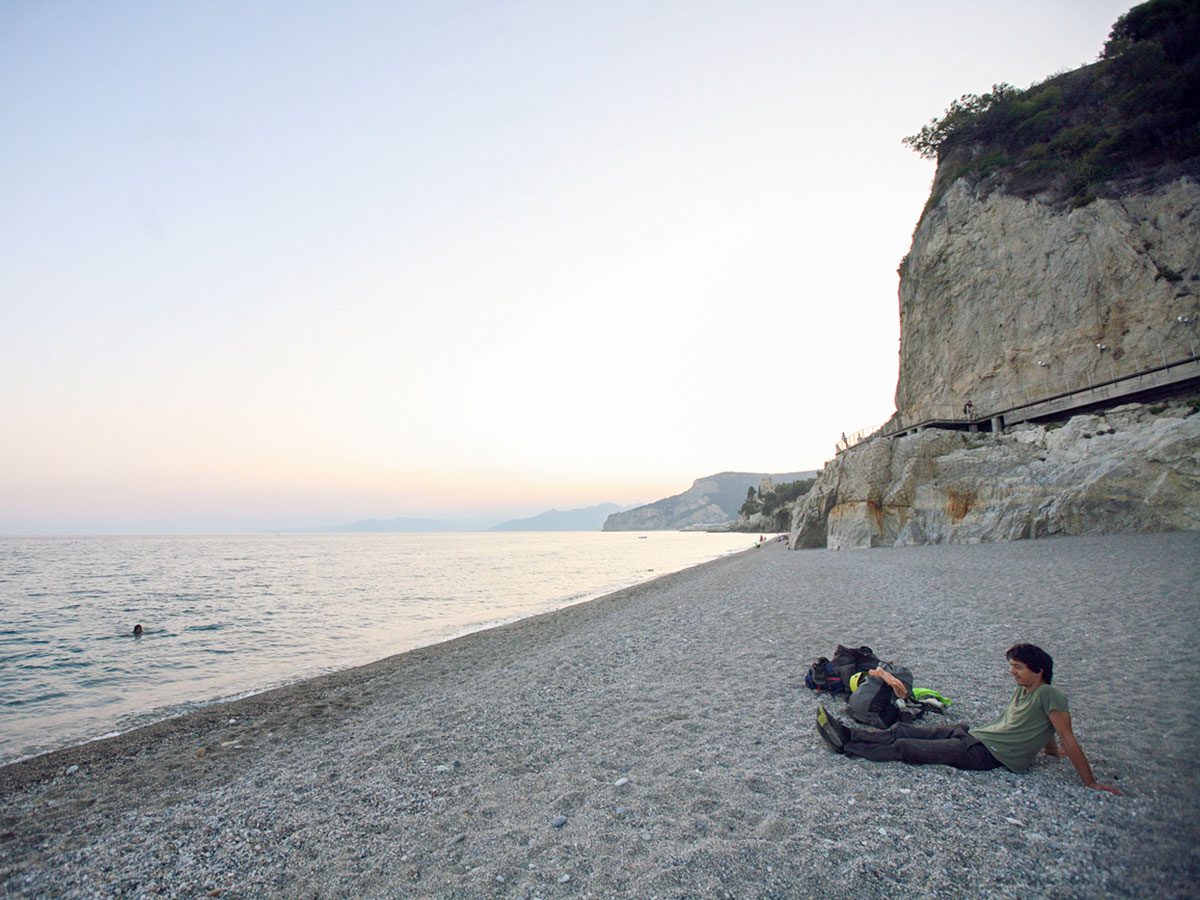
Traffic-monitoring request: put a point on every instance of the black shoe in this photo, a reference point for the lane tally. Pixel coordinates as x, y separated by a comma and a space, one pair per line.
834, 732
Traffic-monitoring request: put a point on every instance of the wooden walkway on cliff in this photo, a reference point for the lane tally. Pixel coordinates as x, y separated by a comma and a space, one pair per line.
1164, 378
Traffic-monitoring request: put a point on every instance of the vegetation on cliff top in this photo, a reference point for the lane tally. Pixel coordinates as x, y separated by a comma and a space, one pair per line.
1133, 114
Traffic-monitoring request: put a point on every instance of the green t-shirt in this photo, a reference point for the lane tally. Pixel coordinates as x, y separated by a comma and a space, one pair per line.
1025, 728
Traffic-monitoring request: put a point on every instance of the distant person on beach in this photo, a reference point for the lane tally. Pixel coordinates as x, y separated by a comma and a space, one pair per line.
137, 630
1034, 716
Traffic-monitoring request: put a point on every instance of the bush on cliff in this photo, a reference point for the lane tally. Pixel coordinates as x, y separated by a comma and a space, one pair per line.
1133, 113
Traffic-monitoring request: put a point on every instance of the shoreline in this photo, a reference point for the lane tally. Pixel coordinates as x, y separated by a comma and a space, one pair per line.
658, 741
129, 721
214, 712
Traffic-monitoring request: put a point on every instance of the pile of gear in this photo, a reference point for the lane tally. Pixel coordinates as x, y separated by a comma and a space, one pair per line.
877, 694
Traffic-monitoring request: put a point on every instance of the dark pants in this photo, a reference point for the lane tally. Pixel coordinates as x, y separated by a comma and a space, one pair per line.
947, 745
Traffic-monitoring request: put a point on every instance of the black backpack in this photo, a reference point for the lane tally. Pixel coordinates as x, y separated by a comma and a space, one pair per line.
874, 702
849, 660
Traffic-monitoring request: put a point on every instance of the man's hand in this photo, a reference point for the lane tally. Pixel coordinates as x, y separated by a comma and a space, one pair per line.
1061, 720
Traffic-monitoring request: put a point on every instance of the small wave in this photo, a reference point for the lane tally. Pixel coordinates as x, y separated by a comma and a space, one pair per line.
99, 681
54, 664
34, 699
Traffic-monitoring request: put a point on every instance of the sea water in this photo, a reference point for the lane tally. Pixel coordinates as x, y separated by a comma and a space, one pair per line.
228, 615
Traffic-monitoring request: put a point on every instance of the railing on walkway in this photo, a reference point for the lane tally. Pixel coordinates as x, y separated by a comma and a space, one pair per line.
1049, 388
846, 442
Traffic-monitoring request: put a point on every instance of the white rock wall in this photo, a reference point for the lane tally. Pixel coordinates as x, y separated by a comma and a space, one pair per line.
995, 284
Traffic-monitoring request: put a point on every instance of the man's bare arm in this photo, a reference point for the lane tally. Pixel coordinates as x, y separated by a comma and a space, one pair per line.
1061, 720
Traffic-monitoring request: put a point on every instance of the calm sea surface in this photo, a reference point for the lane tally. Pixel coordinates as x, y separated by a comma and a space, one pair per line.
229, 615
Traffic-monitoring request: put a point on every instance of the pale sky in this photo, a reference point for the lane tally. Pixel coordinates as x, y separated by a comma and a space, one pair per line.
276, 264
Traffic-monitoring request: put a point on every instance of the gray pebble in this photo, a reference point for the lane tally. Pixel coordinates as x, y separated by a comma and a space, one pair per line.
558, 821
71, 770
563, 879
621, 782
458, 838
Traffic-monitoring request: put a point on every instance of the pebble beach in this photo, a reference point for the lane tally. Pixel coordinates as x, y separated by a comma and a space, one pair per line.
658, 742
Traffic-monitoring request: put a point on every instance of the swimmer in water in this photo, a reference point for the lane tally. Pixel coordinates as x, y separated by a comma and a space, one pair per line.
137, 630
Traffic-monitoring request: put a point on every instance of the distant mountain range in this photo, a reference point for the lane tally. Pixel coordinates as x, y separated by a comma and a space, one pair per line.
711, 500
590, 518
402, 525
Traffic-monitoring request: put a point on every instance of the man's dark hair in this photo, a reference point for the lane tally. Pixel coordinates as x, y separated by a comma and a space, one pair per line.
1037, 659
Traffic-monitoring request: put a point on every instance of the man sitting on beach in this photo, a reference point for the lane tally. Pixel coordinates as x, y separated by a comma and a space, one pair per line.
1034, 715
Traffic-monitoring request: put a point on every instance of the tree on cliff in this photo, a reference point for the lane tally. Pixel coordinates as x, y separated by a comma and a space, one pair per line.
751, 506
1135, 110
962, 117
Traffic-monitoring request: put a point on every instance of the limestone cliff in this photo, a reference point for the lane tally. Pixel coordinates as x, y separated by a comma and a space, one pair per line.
1004, 299
1135, 468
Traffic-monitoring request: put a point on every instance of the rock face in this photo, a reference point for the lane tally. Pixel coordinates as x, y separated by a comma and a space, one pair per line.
709, 501
996, 284
757, 522
1135, 468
